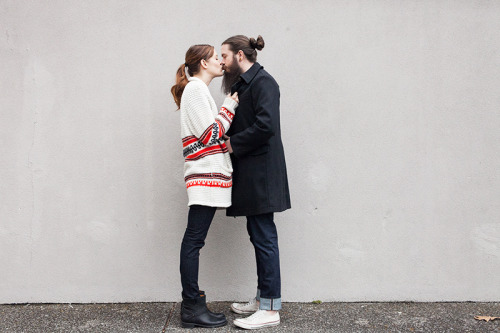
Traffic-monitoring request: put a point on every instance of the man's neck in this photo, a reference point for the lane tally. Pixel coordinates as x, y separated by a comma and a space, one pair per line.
245, 66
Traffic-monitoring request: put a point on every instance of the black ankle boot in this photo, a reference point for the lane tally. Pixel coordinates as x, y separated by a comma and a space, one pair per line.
215, 314
194, 313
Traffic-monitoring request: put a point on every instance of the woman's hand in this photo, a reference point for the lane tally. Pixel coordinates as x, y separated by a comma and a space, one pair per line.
227, 140
234, 97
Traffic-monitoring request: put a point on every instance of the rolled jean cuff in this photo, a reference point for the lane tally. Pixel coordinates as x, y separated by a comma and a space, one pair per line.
270, 304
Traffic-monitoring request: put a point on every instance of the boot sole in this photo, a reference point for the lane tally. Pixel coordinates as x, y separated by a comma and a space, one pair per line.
193, 325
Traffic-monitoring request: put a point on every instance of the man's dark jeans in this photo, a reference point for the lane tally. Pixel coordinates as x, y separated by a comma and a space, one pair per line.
264, 237
199, 220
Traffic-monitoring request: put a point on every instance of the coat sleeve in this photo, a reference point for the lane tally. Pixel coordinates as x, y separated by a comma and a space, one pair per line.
266, 99
201, 121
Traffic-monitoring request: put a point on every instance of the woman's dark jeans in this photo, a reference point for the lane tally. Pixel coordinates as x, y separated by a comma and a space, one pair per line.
199, 220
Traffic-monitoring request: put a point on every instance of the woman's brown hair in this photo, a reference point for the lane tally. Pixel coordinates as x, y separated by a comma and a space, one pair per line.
194, 55
249, 46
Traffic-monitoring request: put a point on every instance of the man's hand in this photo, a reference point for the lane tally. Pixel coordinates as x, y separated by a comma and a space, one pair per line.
228, 143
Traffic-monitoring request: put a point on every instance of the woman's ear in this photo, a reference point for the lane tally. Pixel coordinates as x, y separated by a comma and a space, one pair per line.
203, 63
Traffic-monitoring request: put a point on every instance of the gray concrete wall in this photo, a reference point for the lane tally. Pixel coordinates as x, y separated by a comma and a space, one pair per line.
391, 125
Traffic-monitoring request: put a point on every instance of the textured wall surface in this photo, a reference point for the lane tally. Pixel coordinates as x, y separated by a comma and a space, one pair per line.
391, 125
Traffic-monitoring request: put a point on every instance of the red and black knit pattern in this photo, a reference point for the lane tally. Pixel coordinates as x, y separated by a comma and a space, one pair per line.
209, 176
194, 149
226, 114
209, 180
216, 131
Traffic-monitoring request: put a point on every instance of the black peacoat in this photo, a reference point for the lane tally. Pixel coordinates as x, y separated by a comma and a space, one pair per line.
260, 183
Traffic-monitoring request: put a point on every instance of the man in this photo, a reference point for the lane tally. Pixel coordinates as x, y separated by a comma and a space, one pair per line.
260, 185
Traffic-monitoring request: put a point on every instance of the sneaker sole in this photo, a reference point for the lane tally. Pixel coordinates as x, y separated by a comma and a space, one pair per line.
235, 310
255, 326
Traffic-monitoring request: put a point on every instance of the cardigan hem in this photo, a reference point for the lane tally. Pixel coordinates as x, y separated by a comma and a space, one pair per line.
210, 204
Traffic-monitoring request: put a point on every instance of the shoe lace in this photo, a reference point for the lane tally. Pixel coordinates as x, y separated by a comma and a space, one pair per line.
258, 315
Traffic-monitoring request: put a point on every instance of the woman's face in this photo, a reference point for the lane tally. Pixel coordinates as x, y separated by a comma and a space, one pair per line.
214, 66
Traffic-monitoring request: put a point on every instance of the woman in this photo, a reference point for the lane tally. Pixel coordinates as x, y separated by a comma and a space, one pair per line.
207, 170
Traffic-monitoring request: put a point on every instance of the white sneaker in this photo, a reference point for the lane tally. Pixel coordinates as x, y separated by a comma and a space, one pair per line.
260, 319
249, 307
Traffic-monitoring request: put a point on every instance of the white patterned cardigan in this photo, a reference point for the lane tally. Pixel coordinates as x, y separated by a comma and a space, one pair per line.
207, 165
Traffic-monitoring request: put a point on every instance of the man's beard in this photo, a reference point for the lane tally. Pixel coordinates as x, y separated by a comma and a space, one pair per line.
231, 77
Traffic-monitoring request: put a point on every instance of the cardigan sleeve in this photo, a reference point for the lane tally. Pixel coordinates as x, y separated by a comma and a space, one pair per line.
201, 121
266, 103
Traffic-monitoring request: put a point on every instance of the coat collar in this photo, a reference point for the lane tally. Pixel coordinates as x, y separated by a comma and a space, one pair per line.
251, 72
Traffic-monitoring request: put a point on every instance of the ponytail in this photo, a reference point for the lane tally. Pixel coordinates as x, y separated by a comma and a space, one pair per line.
181, 81
192, 65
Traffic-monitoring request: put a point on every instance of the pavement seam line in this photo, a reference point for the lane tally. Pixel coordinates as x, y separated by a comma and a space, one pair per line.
168, 318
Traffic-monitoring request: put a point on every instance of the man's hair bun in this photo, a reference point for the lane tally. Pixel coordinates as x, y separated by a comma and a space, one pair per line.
257, 44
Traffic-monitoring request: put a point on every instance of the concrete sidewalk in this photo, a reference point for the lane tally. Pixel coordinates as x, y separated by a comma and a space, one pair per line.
295, 317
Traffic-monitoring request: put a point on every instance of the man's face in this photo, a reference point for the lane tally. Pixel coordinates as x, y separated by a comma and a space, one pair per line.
231, 68
228, 62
